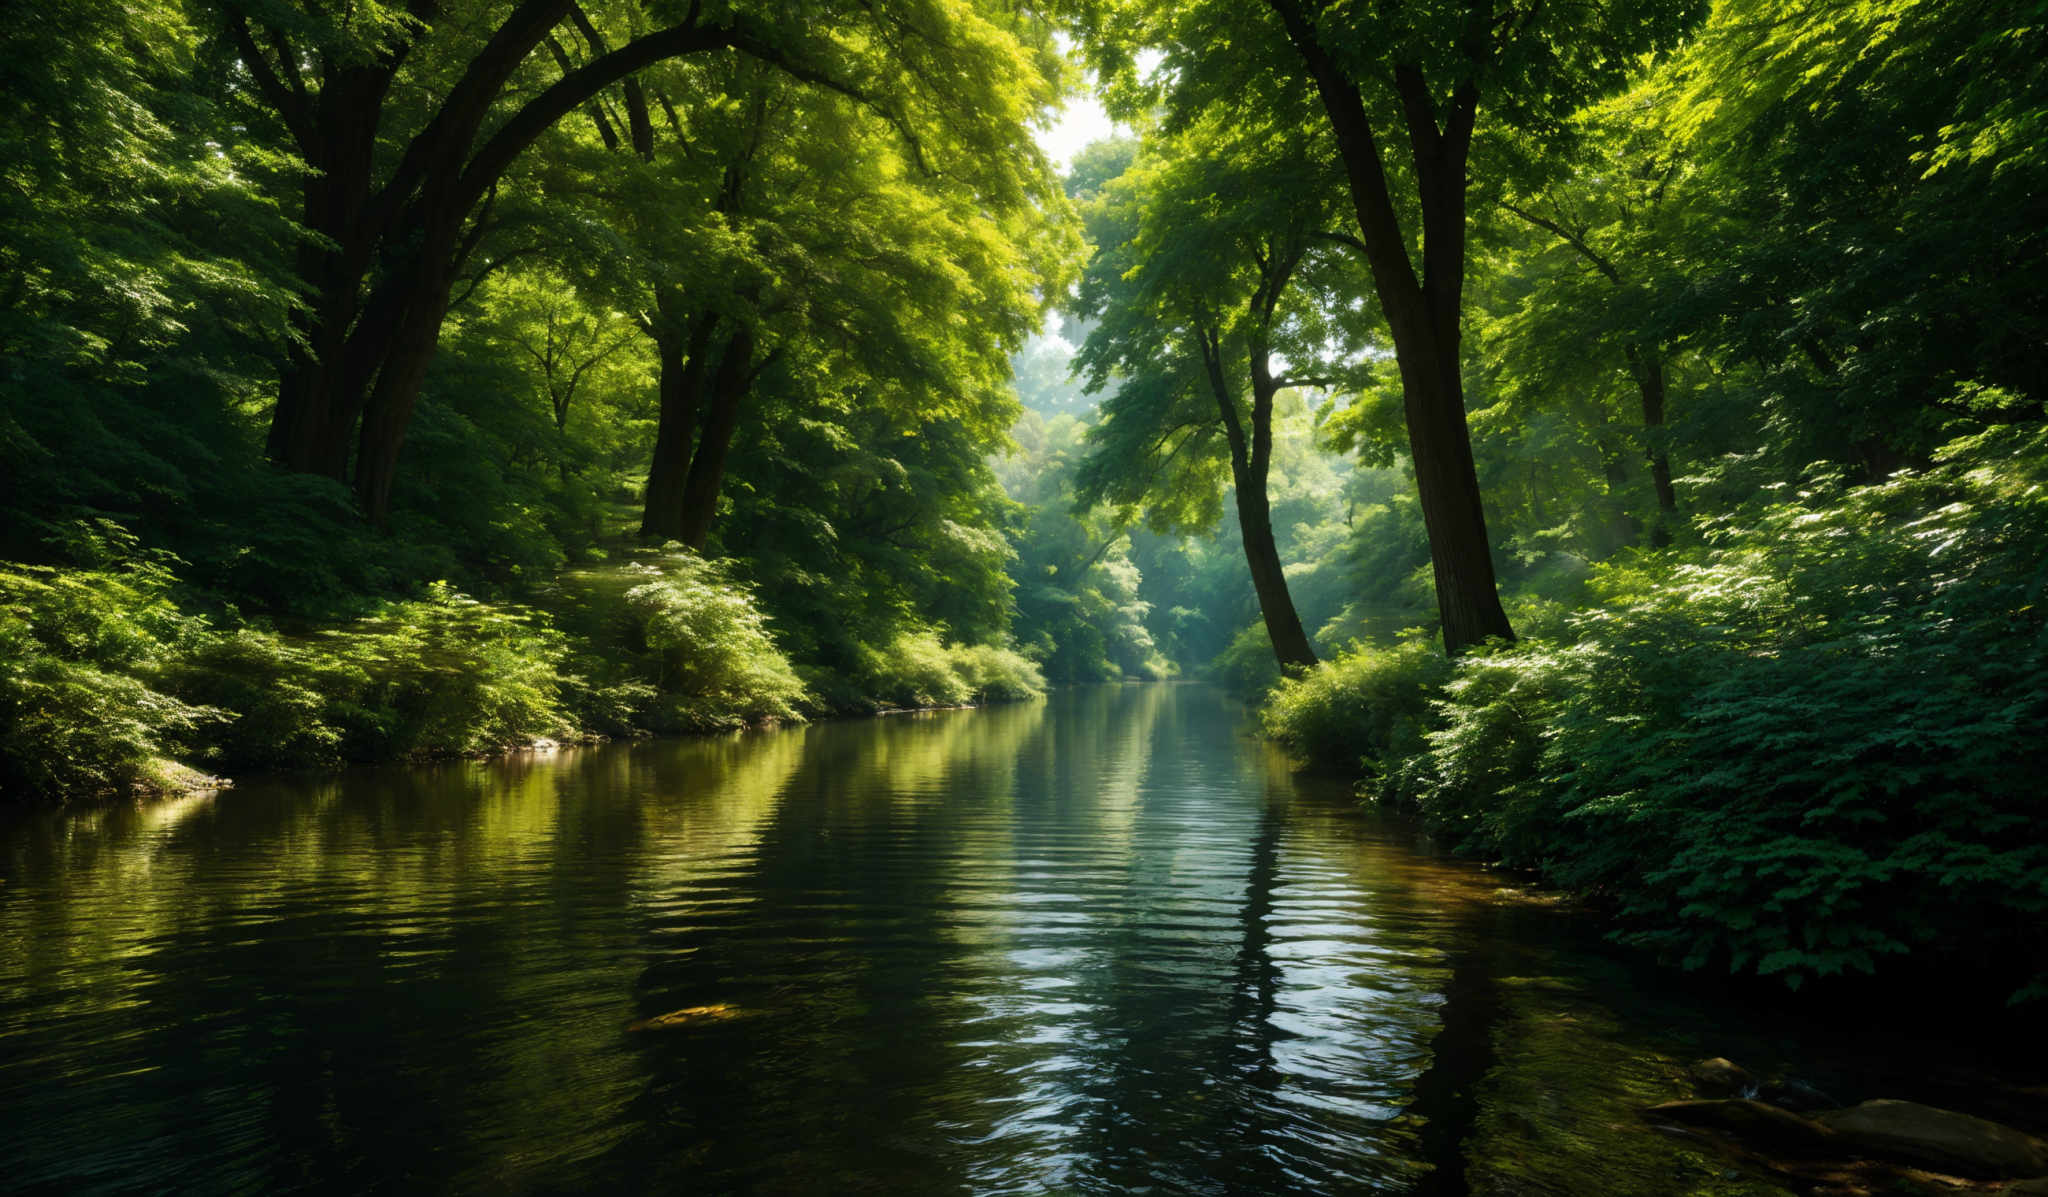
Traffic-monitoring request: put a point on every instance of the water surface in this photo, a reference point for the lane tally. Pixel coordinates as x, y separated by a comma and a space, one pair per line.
1102, 943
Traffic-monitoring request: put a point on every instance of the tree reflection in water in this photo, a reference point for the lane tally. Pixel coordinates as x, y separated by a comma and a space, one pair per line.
1102, 943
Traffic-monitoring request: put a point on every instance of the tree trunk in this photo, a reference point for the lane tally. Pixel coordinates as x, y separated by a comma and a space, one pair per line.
318, 395
685, 367
707, 465
1269, 578
412, 304
1423, 315
364, 342
1447, 482
388, 412
1250, 461
1648, 369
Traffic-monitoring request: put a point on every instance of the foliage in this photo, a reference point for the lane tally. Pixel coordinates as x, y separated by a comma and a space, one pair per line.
1862, 215
437, 676
997, 674
82, 705
914, 670
1369, 709
107, 677
1808, 743
917, 670
707, 651
1079, 611
107, 674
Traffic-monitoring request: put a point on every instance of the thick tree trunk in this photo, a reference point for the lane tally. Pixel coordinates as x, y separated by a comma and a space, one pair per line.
405, 315
364, 340
721, 417
1423, 313
388, 413
319, 393
1447, 483
685, 369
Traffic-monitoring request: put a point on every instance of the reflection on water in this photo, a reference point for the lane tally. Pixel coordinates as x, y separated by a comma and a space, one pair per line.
1103, 943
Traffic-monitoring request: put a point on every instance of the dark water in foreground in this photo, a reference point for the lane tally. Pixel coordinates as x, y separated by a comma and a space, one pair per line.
1099, 944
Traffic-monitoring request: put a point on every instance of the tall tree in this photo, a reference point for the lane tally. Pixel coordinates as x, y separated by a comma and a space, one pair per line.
395, 207
1199, 305
1586, 295
1381, 75
786, 237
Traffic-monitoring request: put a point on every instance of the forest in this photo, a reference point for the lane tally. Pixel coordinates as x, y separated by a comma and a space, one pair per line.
1613, 433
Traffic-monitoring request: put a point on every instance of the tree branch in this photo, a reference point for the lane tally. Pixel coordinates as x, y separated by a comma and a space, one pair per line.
1575, 240
1341, 239
290, 105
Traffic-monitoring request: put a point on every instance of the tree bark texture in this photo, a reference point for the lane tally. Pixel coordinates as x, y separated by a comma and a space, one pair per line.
685, 366
707, 465
1423, 315
1251, 457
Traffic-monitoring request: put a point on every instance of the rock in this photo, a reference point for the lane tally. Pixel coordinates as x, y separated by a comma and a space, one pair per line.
1753, 1122
1720, 1076
2037, 1187
1938, 1138
1797, 1096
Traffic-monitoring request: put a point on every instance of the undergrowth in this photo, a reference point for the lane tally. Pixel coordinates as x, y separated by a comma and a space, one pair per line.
110, 674
1809, 742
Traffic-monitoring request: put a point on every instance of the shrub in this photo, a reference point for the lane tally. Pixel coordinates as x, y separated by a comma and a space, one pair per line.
284, 695
104, 678
1366, 710
997, 674
1479, 784
706, 650
1812, 741
915, 670
82, 709
442, 675
1817, 740
1247, 666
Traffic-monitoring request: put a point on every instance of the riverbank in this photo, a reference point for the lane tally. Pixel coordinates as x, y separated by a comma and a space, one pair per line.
1810, 745
121, 680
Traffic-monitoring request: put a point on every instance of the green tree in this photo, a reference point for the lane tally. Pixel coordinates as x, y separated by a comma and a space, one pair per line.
406, 121
775, 226
136, 267
1862, 218
1382, 75
1207, 311
1589, 305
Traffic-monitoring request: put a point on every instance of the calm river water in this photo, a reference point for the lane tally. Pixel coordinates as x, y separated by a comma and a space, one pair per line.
1099, 944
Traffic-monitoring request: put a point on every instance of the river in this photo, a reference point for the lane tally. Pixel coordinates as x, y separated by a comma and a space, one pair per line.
1103, 943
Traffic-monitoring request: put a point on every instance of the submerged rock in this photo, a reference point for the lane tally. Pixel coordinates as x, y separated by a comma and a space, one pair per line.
1795, 1095
1753, 1122
1939, 1138
1720, 1077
